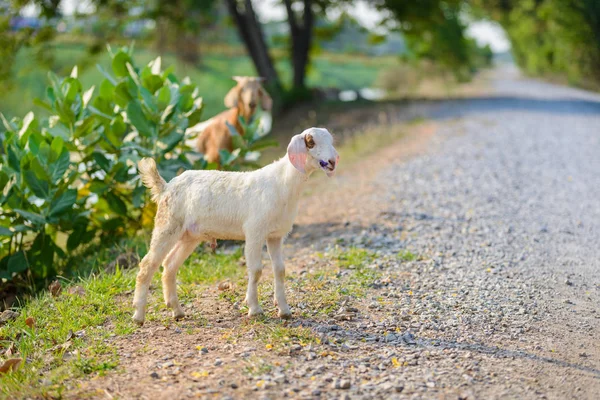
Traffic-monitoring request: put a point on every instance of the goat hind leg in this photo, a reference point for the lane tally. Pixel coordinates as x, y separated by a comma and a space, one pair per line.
274, 247
175, 259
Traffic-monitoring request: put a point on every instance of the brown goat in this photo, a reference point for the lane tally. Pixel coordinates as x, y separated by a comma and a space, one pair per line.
242, 101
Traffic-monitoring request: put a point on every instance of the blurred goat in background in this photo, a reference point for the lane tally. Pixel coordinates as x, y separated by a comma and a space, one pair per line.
242, 100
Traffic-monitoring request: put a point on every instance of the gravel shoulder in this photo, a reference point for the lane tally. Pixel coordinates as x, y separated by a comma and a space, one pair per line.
476, 276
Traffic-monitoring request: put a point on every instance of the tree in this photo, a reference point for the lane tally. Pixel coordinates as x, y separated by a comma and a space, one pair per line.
251, 34
301, 35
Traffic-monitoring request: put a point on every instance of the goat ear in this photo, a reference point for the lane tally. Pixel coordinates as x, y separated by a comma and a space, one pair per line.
297, 152
266, 102
231, 98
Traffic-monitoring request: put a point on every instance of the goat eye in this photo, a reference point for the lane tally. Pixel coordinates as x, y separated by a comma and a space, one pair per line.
310, 142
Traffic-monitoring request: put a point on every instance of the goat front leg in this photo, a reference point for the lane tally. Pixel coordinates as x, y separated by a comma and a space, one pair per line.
163, 240
254, 262
275, 252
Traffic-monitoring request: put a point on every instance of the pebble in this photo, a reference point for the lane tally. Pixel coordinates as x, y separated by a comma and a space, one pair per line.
342, 384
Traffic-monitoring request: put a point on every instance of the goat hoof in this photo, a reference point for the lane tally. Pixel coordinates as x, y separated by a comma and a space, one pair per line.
255, 313
178, 314
138, 320
287, 314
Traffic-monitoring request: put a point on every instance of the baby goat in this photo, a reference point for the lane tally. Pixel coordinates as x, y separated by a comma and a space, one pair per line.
255, 206
242, 101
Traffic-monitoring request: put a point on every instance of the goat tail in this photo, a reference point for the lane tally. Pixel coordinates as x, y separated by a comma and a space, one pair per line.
151, 178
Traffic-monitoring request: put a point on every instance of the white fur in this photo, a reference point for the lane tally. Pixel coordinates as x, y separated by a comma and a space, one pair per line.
255, 206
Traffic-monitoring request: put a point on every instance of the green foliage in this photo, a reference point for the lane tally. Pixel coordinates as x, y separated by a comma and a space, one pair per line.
70, 181
435, 30
553, 37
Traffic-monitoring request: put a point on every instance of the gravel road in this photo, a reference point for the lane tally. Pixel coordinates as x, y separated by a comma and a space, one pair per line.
494, 206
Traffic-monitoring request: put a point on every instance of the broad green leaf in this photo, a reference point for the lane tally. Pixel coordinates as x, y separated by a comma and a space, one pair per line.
138, 119
56, 147
164, 97
34, 218
120, 172
4, 231
119, 64
60, 166
153, 83
17, 262
122, 95
118, 127
13, 159
84, 127
99, 113
169, 142
101, 160
138, 196
115, 203
34, 141
40, 171
38, 187
63, 203
107, 89
149, 100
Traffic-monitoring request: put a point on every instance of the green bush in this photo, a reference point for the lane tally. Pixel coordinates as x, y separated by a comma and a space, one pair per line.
70, 181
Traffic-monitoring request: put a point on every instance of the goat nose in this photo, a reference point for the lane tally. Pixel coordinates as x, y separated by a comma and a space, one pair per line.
332, 162
252, 105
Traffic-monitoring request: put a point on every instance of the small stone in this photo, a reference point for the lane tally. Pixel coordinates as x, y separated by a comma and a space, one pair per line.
568, 283
316, 392
8, 315
204, 350
409, 338
342, 384
154, 375
234, 385
55, 288
218, 362
390, 337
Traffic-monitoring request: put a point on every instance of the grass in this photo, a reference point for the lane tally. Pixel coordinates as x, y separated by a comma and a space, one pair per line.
213, 77
349, 276
407, 255
68, 339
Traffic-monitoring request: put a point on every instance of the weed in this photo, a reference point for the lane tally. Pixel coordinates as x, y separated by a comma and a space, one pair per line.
406, 255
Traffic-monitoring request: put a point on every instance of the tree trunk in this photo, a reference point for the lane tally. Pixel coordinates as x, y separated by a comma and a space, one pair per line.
301, 41
251, 34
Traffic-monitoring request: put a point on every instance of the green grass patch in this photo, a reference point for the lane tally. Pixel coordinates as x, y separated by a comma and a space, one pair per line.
70, 332
407, 255
350, 276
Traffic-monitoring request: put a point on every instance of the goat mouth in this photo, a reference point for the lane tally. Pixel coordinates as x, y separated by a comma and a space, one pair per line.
329, 170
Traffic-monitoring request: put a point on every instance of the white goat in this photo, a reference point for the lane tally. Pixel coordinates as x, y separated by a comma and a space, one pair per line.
255, 206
